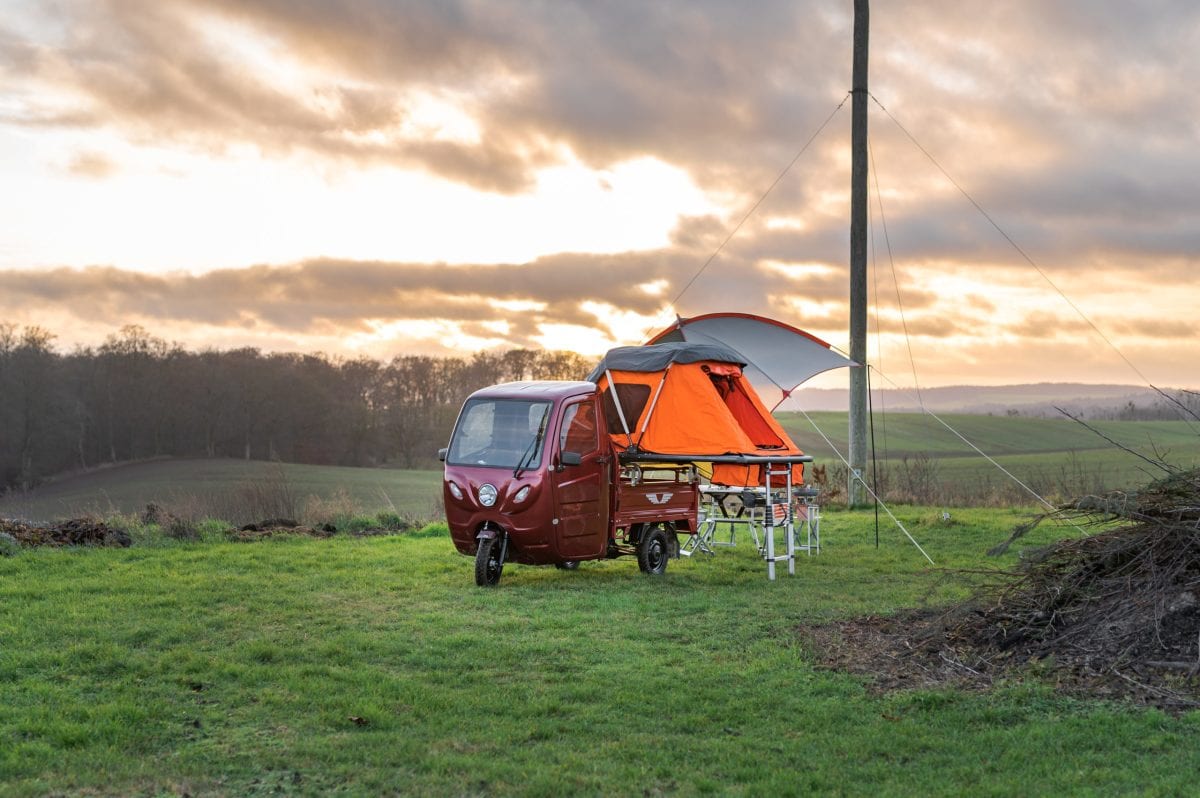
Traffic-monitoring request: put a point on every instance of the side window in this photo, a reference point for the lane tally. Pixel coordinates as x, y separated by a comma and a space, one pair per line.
579, 428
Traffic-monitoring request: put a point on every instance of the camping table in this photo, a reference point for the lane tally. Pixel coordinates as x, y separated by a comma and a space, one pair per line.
721, 511
749, 511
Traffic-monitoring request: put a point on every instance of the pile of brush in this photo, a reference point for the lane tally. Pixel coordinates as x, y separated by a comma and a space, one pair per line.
1122, 602
75, 532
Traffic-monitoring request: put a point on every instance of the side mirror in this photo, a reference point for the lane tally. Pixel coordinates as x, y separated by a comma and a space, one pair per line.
442, 453
571, 458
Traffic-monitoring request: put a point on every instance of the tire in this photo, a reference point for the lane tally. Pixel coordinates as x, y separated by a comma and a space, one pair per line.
487, 562
569, 565
653, 551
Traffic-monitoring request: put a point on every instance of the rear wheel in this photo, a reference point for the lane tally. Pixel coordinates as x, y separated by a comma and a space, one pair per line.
488, 564
569, 565
653, 551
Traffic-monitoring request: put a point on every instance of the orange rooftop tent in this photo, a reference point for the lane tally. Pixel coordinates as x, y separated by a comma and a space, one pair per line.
691, 400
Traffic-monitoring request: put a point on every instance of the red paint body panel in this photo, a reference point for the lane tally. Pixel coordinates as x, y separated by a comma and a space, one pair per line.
658, 500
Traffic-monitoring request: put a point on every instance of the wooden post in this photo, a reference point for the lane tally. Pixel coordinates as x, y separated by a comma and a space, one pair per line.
856, 495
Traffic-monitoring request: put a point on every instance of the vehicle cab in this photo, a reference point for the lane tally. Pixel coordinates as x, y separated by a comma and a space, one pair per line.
528, 474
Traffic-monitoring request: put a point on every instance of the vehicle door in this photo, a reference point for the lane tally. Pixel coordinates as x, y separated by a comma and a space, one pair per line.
581, 491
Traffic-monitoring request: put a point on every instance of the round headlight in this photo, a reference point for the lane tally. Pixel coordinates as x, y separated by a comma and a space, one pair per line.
487, 495
522, 494
455, 491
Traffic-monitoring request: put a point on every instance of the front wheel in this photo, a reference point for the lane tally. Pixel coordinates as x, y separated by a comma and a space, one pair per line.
653, 551
488, 562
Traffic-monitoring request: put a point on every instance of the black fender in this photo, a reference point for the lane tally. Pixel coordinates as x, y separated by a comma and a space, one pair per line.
489, 532
672, 541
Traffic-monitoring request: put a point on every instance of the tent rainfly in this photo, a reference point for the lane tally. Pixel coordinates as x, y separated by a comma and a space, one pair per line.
683, 398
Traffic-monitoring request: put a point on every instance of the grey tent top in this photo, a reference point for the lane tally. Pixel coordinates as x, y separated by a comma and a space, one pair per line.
656, 357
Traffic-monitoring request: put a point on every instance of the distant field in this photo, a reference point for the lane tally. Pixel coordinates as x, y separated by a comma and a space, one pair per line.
1054, 457
1051, 455
195, 486
901, 434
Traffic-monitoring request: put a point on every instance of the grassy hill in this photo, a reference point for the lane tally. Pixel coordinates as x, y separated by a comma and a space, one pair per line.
238, 490
1029, 398
375, 667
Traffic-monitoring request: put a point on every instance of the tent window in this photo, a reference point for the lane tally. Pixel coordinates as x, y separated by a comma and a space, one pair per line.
733, 393
633, 401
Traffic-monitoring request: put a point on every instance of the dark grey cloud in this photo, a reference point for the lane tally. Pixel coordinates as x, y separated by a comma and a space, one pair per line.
350, 295
345, 297
1059, 117
609, 81
1164, 329
332, 300
1047, 326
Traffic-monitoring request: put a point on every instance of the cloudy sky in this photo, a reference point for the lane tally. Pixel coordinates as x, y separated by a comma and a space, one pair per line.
391, 176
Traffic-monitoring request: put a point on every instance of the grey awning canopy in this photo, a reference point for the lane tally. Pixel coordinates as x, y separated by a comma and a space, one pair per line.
778, 357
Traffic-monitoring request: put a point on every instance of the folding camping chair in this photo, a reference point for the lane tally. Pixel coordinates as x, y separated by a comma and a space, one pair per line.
808, 513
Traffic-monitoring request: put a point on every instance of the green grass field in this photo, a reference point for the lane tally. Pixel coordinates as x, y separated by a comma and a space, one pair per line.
1055, 457
900, 434
375, 666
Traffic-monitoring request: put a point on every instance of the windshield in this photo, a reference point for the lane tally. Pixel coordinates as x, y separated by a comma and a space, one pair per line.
500, 433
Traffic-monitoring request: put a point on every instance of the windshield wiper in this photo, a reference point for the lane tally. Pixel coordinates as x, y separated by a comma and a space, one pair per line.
534, 447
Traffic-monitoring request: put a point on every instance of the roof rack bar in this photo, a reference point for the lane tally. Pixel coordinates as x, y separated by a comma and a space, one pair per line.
735, 459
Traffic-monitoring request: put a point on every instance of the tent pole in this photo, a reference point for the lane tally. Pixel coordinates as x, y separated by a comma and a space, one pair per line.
855, 493
654, 403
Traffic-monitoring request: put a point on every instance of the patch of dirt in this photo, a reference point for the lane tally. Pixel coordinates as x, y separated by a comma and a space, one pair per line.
76, 532
1114, 614
88, 532
892, 652
272, 527
285, 526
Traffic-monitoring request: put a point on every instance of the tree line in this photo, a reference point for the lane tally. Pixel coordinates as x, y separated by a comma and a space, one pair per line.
137, 397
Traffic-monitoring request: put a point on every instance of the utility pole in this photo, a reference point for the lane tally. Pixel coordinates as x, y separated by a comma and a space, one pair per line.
856, 495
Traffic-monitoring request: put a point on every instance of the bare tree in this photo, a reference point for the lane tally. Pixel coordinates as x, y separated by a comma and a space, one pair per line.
137, 396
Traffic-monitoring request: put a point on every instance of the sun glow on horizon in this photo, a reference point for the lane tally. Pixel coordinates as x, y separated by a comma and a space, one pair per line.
245, 208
